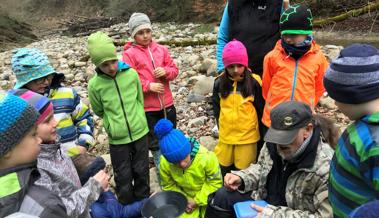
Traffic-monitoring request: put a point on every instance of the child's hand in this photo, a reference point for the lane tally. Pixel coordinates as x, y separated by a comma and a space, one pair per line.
232, 182
191, 206
82, 149
103, 178
159, 72
157, 87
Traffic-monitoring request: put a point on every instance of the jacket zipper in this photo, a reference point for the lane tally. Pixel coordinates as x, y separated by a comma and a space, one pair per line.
153, 63
123, 109
294, 80
235, 84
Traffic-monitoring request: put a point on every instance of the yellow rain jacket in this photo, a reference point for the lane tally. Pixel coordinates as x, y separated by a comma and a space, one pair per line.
200, 179
238, 117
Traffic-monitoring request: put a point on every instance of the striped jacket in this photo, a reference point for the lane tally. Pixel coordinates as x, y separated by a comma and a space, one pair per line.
354, 170
75, 122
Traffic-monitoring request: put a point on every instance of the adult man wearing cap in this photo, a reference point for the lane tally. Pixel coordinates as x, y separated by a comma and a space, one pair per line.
291, 173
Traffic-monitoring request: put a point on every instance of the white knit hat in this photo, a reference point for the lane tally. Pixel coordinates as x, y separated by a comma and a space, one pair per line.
137, 22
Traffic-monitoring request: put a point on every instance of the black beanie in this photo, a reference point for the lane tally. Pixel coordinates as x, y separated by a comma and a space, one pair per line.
297, 19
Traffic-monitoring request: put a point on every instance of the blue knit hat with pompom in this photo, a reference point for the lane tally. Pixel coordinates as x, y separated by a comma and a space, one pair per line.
172, 142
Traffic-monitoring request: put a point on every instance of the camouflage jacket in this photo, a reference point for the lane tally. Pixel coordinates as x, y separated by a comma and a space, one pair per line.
306, 190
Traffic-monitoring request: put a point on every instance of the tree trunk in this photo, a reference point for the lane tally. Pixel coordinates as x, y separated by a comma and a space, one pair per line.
353, 13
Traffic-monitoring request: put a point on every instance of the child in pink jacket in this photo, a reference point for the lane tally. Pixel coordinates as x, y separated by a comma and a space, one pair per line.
156, 69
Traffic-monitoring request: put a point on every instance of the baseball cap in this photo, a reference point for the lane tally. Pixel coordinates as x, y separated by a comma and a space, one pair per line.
287, 119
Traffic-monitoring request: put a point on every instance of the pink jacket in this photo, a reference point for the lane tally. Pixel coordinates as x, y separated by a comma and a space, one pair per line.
139, 58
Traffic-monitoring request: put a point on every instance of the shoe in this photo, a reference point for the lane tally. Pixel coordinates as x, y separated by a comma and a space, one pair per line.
87, 166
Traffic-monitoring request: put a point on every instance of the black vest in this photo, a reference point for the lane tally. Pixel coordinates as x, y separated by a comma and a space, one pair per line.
256, 24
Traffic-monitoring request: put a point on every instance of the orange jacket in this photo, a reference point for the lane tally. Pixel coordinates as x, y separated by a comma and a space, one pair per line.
285, 78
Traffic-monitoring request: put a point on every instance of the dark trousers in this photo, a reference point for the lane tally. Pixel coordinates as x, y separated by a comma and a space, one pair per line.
131, 170
221, 202
152, 118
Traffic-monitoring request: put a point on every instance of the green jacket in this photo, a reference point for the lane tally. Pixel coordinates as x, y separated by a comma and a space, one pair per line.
200, 179
119, 101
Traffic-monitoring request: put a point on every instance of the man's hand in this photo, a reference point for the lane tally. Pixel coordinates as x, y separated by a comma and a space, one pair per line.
257, 208
103, 178
232, 182
191, 206
157, 87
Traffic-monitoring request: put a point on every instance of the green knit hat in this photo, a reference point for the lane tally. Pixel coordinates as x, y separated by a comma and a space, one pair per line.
101, 48
297, 19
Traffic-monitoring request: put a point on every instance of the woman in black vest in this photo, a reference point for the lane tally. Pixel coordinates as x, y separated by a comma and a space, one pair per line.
253, 22
256, 24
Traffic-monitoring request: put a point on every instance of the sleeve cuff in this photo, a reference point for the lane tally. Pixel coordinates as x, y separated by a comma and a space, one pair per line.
245, 181
85, 140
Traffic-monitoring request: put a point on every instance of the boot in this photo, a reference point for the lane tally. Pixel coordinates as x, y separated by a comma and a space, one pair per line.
214, 211
87, 166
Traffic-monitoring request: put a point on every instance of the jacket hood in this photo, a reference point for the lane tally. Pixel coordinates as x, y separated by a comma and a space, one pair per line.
121, 66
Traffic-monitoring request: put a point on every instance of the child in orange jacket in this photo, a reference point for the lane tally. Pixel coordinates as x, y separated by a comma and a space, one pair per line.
295, 68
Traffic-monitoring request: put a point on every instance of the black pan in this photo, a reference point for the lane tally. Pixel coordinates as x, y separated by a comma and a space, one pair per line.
166, 204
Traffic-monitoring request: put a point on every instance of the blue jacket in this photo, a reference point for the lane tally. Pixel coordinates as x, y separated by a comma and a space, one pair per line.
107, 206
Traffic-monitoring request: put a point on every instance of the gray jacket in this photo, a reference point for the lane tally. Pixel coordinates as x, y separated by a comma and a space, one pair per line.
59, 175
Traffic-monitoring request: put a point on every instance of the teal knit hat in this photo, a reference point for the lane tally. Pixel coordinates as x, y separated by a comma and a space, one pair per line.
172, 142
17, 119
101, 48
29, 64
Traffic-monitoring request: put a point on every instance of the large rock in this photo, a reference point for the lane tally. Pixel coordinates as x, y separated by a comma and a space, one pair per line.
207, 64
327, 102
193, 59
204, 85
197, 122
80, 64
154, 183
194, 98
209, 142
332, 51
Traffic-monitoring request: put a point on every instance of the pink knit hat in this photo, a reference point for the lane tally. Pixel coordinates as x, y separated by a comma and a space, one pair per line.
234, 53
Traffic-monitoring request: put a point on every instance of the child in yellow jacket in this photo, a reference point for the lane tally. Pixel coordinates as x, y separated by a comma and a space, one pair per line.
238, 105
187, 167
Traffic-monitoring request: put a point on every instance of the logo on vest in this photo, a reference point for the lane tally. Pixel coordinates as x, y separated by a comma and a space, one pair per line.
260, 7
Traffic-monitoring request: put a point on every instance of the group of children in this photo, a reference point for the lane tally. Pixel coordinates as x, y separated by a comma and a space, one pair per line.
47, 122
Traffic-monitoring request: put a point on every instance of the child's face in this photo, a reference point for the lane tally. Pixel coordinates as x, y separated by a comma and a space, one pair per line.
185, 163
27, 150
353, 112
294, 39
47, 130
236, 71
39, 85
143, 37
109, 67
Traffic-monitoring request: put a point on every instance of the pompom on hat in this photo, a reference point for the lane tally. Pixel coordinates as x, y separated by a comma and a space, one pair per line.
172, 142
